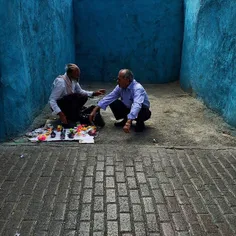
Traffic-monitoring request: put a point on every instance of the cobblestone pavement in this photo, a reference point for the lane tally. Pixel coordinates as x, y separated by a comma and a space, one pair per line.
107, 190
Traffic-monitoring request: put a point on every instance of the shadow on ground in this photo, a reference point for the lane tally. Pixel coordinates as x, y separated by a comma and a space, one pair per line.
177, 120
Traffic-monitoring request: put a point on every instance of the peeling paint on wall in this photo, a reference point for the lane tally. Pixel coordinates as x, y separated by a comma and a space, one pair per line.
145, 36
37, 40
209, 54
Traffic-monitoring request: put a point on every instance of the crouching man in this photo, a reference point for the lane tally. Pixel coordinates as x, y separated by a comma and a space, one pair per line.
128, 101
67, 97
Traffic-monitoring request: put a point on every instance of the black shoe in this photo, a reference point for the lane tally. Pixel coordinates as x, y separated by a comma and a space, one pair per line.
121, 123
139, 127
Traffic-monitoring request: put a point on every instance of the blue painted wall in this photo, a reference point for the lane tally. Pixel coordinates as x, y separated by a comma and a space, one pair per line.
209, 54
36, 41
145, 36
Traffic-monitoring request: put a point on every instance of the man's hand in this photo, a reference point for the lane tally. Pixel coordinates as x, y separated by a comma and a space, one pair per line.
62, 117
93, 114
99, 92
127, 126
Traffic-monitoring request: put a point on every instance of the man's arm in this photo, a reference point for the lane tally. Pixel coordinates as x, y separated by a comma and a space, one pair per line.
109, 98
138, 100
79, 90
57, 93
93, 114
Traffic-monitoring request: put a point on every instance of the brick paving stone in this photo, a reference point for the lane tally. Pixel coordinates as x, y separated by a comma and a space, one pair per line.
110, 182
215, 212
197, 230
183, 233
129, 171
98, 222
120, 177
99, 189
198, 205
206, 196
152, 223
225, 229
153, 182
124, 204
109, 170
98, 203
208, 224
87, 196
139, 229
163, 212
182, 197
71, 220
148, 205
125, 222
159, 198
44, 220
122, 189
132, 183
88, 181
167, 229
189, 214
145, 190
138, 166
225, 208
167, 190
84, 228
179, 222
134, 196
111, 212
110, 195
86, 212
231, 219
172, 204
69, 233
137, 212
59, 211
55, 228
112, 228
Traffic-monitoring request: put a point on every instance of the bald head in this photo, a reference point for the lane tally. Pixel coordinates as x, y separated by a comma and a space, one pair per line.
125, 77
72, 71
127, 74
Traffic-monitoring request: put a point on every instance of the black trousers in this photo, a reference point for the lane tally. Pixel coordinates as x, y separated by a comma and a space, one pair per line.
120, 111
71, 105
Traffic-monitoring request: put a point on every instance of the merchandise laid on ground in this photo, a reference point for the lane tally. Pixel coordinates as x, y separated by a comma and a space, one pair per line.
81, 133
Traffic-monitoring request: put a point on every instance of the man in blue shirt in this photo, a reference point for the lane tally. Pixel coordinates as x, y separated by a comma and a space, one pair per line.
128, 101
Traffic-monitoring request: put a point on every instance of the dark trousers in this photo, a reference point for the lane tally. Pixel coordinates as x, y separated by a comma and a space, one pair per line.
71, 105
120, 111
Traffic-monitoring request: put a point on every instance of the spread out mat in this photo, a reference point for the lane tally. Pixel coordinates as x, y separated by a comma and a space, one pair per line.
52, 132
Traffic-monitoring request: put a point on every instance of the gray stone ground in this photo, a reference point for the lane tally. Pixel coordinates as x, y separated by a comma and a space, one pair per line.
126, 185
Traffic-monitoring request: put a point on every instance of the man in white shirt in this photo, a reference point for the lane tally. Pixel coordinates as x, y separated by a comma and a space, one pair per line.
67, 97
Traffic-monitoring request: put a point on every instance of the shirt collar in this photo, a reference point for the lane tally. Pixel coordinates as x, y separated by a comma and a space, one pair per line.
131, 84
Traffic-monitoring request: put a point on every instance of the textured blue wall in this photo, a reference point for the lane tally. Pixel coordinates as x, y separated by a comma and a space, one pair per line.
36, 41
209, 54
145, 36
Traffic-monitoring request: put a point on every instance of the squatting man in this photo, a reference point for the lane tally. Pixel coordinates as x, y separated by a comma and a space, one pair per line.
128, 101
67, 97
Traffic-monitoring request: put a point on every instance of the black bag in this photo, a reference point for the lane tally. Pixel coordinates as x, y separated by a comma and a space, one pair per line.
84, 117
